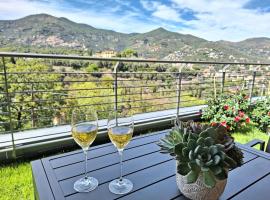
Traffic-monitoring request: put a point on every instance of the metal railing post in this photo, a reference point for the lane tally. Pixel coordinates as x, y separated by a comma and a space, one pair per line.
263, 90
252, 86
215, 86
268, 89
179, 86
32, 108
9, 108
223, 77
223, 81
115, 88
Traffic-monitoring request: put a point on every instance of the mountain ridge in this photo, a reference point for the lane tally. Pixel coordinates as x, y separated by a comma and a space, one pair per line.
46, 31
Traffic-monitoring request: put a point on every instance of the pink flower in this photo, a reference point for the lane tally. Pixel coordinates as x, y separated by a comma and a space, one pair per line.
237, 119
268, 113
228, 127
226, 107
241, 114
224, 124
247, 119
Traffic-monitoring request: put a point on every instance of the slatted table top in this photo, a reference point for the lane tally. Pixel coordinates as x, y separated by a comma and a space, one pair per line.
152, 173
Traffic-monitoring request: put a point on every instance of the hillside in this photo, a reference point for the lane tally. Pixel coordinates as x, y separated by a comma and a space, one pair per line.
47, 31
259, 47
38, 32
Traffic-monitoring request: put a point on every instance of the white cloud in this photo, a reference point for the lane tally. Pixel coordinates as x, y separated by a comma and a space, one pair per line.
225, 19
210, 5
167, 13
161, 11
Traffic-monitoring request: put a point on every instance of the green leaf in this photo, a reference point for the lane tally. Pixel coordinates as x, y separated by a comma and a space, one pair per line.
209, 179
178, 148
191, 155
198, 149
200, 141
193, 137
213, 150
198, 162
222, 175
217, 159
209, 163
216, 169
205, 150
182, 158
222, 155
209, 141
185, 152
204, 134
193, 166
192, 176
183, 168
211, 131
191, 144
205, 169
185, 137
220, 147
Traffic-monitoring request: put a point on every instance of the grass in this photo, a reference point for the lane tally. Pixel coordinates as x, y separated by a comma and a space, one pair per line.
16, 178
16, 181
249, 133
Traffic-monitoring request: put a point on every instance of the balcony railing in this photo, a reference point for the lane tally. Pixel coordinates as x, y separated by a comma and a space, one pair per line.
38, 91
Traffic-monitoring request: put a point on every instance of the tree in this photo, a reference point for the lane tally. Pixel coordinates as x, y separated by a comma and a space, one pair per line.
128, 53
93, 69
31, 88
161, 68
93, 94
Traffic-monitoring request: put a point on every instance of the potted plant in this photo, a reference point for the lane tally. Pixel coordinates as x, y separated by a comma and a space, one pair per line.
204, 154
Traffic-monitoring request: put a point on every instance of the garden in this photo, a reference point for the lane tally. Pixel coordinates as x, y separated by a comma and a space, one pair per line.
243, 120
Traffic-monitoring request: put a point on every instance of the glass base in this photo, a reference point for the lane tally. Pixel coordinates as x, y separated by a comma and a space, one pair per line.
120, 187
85, 184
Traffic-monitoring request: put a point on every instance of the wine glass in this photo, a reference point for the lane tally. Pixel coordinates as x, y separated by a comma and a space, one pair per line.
120, 129
84, 130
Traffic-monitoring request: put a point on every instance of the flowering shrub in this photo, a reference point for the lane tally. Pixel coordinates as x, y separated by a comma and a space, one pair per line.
261, 113
229, 110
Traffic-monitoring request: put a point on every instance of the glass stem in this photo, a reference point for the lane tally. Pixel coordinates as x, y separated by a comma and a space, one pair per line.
85, 172
121, 164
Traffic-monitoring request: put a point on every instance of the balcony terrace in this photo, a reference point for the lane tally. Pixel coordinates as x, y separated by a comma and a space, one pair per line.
38, 91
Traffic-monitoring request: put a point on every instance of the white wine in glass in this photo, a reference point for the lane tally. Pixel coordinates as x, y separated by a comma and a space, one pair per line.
84, 131
120, 136
120, 131
84, 134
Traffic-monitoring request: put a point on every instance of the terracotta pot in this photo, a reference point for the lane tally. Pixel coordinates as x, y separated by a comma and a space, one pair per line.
197, 190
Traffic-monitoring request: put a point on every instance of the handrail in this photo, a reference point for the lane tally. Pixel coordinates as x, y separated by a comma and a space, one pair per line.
76, 57
179, 85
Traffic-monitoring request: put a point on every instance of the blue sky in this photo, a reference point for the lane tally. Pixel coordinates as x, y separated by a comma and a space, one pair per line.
232, 20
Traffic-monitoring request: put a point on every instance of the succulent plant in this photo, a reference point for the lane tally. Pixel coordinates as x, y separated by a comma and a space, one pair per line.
201, 149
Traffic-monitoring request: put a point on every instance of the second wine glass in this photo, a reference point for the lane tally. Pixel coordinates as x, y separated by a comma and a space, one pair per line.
120, 129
